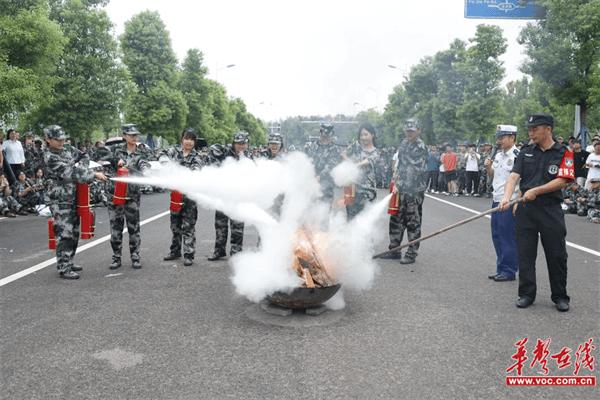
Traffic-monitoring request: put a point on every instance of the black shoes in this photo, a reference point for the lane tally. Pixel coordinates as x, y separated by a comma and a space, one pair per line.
171, 256
407, 260
115, 264
69, 275
76, 268
392, 256
503, 278
562, 305
524, 302
187, 261
492, 276
216, 256
136, 264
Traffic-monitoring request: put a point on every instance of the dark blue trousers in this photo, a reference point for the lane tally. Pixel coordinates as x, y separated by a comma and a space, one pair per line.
505, 242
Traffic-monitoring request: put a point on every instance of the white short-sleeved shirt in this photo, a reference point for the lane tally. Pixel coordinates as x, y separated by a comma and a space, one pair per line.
593, 172
14, 152
503, 165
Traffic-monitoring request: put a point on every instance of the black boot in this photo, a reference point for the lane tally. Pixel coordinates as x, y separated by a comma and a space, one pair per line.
116, 263
68, 274
217, 255
171, 256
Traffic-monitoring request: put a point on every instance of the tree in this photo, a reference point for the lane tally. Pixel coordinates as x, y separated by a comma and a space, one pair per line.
248, 122
564, 51
147, 51
90, 81
30, 46
161, 111
156, 105
481, 109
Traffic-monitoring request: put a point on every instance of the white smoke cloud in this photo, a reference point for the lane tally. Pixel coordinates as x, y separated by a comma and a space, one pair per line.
246, 190
345, 173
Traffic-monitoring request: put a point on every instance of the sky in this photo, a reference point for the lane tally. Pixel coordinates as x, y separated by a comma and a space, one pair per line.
314, 57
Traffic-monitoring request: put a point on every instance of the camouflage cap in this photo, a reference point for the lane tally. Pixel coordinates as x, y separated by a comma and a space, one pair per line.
275, 138
326, 128
240, 137
411, 124
55, 132
129, 129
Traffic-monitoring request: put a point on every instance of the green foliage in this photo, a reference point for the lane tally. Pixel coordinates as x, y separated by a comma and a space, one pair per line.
248, 122
30, 46
147, 50
90, 81
564, 51
161, 111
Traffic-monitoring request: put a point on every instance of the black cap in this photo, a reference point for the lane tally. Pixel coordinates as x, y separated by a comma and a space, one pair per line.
540, 119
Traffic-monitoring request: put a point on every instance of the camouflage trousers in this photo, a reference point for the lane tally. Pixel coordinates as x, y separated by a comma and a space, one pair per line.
410, 214
129, 212
360, 201
594, 215
9, 203
222, 224
66, 232
183, 227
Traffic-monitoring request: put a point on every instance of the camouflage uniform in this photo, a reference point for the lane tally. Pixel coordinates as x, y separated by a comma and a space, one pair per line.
325, 157
62, 174
410, 181
33, 160
31, 199
8, 204
366, 188
135, 162
222, 221
593, 205
183, 223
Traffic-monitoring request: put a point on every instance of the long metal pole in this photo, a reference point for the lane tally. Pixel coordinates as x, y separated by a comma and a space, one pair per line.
455, 225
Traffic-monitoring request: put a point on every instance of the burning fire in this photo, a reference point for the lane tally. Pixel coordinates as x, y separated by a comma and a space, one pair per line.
308, 264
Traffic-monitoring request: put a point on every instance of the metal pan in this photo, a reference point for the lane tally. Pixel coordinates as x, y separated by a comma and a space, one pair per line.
301, 298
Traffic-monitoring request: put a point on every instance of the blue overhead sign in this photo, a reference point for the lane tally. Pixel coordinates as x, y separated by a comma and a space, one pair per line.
504, 9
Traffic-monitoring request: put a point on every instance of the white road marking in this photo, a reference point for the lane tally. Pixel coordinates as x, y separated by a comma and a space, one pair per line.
51, 261
111, 275
570, 244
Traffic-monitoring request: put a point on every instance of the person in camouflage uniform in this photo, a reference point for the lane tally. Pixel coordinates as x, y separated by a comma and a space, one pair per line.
63, 171
367, 158
26, 192
325, 155
275, 149
239, 148
571, 196
183, 222
9, 206
410, 182
135, 159
33, 156
589, 202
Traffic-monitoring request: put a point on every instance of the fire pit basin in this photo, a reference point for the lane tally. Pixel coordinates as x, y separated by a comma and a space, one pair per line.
301, 298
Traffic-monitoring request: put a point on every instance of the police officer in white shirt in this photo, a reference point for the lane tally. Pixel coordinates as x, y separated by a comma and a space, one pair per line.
503, 223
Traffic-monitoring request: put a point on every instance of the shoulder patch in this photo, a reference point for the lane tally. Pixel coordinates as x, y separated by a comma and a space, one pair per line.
516, 152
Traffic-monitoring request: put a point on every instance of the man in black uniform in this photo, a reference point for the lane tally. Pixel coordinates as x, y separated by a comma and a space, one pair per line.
544, 168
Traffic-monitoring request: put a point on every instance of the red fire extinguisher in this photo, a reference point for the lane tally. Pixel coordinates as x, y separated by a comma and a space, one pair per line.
349, 194
394, 203
88, 224
120, 195
176, 201
51, 238
83, 198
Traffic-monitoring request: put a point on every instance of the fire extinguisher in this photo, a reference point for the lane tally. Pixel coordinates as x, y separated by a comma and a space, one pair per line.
120, 195
176, 201
394, 203
88, 224
83, 198
51, 238
349, 194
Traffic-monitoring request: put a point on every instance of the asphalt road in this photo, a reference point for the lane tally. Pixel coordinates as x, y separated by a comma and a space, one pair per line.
438, 329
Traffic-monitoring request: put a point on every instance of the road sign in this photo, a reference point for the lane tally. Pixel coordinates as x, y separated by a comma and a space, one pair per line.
504, 9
